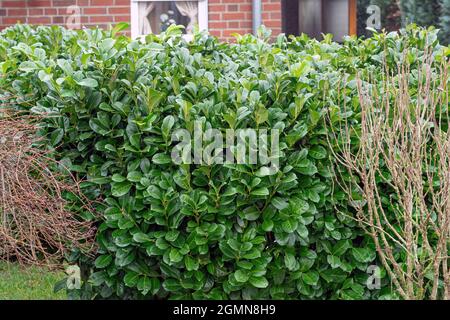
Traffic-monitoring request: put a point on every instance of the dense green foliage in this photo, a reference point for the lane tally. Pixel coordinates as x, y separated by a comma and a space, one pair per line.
193, 231
445, 20
423, 12
397, 14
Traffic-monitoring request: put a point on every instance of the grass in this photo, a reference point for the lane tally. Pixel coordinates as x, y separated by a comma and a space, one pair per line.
28, 283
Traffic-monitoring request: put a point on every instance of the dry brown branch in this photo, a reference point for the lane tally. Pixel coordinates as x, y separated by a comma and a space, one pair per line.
401, 168
36, 222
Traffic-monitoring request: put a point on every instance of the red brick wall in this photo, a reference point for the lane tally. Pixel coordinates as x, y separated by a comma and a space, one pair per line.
271, 15
235, 16
93, 12
225, 16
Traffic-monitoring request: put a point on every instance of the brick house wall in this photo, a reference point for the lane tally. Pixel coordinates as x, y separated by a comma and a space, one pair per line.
235, 16
225, 17
56, 12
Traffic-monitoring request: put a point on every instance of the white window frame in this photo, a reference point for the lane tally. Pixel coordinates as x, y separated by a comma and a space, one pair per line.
202, 15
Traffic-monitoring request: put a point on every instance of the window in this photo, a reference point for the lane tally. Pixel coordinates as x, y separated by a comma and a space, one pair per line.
315, 17
154, 16
342, 17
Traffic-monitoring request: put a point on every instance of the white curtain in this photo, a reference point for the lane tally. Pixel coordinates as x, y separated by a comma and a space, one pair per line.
189, 9
144, 10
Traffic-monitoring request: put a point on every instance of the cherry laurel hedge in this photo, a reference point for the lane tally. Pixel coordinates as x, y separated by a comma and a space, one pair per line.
199, 231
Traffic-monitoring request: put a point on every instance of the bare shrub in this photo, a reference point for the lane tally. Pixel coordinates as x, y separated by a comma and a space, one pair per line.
396, 172
36, 222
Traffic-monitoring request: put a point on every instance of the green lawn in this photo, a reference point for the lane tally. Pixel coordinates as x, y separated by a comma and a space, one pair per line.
28, 283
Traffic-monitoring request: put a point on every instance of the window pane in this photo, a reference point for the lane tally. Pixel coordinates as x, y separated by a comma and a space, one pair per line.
395, 14
156, 16
336, 18
310, 17
323, 16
